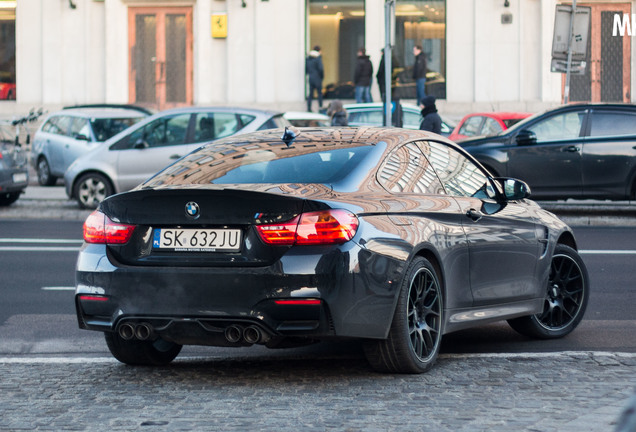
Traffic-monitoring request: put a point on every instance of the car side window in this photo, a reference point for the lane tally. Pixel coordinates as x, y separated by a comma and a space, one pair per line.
559, 127
204, 127
164, 131
490, 127
612, 123
459, 175
471, 126
225, 124
58, 125
406, 170
80, 127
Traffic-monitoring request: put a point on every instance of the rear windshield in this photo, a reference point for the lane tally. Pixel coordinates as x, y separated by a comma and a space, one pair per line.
105, 128
260, 164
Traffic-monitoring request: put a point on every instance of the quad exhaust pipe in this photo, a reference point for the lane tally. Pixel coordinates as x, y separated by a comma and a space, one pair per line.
129, 331
233, 333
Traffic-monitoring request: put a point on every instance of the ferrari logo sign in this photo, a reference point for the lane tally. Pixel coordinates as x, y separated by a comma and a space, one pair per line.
219, 25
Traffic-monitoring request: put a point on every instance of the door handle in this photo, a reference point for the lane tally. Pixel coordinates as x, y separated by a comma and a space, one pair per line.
475, 215
175, 156
571, 149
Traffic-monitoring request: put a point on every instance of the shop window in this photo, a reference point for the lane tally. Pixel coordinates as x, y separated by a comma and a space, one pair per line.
338, 28
420, 23
7, 50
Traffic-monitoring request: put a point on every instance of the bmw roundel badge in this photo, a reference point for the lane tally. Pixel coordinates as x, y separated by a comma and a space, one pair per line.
192, 210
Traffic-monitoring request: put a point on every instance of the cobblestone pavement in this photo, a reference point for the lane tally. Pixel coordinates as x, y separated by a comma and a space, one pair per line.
563, 392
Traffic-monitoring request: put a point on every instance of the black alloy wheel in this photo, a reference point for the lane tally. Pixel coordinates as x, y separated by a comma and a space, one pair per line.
566, 297
142, 353
44, 173
416, 331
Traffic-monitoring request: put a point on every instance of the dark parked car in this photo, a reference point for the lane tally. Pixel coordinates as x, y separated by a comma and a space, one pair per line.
278, 238
575, 151
14, 175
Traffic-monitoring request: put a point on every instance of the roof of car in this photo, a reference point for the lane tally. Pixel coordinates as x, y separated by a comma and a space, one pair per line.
101, 112
305, 115
243, 110
502, 115
375, 105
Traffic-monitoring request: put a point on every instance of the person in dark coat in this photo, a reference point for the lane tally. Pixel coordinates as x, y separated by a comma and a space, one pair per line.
315, 72
380, 75
362, 77
419, 73
337, 113
431, 121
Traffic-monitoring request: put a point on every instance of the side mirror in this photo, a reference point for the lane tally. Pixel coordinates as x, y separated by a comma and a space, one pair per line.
82, 137
514, 189
526, 138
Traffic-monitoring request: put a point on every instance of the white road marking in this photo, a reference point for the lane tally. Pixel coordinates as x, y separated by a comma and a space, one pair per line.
607, 252
59, 288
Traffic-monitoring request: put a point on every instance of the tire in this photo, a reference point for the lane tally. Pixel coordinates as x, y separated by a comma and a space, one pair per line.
414, 339
44, 173
566, 296
8, 198
141, 353
91, 189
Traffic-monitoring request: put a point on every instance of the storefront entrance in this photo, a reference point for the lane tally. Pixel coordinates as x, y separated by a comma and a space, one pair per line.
160, 47
608, 71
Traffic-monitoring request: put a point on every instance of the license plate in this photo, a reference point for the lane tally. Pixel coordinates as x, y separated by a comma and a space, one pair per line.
197, 240
19, 178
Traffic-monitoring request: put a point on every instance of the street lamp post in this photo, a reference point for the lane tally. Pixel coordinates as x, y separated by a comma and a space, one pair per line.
389, 9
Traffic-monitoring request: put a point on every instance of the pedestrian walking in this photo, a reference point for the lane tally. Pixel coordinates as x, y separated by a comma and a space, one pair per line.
315, 72
419, 73
431, 121
362, 77
337, 113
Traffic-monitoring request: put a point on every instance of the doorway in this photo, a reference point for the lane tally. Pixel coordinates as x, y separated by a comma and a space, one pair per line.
160, 46
608, 72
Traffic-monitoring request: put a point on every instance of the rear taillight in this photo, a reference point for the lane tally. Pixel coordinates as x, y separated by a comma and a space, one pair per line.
314, 228
98, 228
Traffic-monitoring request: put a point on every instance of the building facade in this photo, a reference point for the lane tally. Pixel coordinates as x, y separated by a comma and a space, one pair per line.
481, 54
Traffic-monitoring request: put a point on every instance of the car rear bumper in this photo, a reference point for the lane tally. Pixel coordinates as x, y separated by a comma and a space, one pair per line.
13, 180
341, 291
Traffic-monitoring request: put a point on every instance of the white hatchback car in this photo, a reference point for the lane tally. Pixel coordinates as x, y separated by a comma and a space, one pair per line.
129, 158
67, 134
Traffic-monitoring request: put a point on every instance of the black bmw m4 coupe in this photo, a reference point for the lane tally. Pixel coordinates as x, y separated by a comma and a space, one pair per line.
392, 236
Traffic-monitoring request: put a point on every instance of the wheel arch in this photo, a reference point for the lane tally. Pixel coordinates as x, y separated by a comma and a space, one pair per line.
432, 256
567, 238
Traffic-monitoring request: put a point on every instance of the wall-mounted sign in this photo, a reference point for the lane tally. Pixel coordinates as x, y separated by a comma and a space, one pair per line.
219, 25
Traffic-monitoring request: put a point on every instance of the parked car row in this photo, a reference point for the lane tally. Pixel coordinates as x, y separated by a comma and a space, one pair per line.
575, 151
